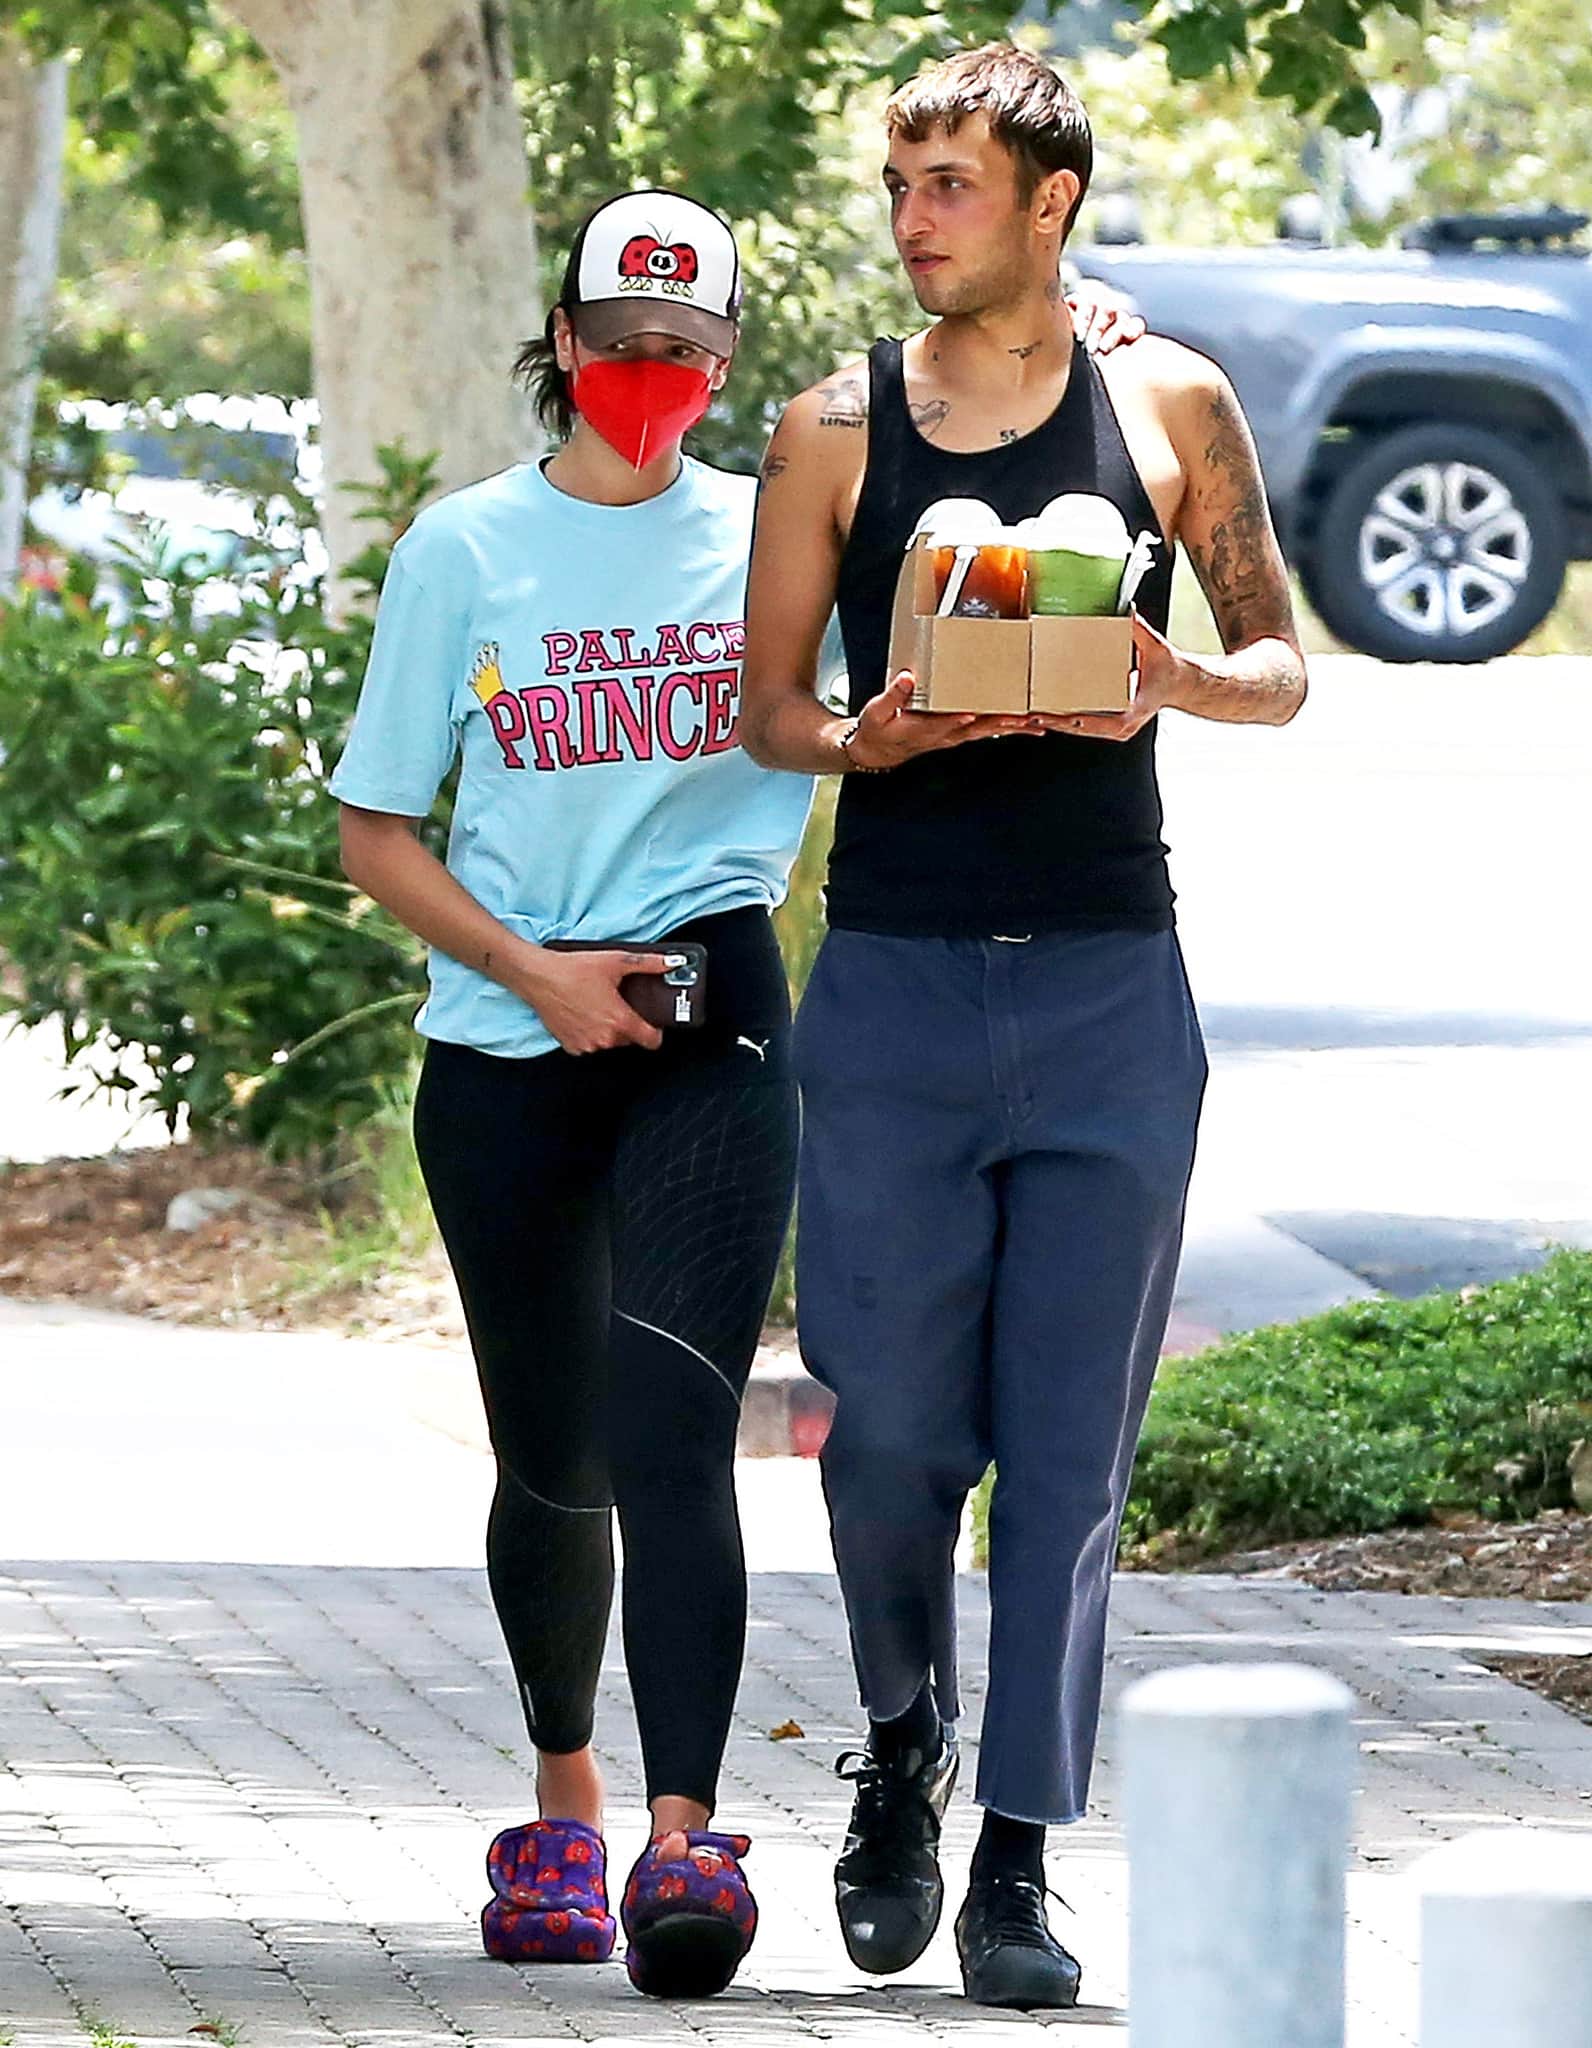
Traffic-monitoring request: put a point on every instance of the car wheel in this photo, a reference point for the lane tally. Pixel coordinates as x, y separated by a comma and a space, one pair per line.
1439, 543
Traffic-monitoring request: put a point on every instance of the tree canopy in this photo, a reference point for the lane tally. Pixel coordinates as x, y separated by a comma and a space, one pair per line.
1462, 94
729, 99
183, 265
150, 88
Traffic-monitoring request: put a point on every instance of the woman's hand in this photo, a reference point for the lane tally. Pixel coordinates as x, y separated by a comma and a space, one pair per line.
577, 997
1102, 319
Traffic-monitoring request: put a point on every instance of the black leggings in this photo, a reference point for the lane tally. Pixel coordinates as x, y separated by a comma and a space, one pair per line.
614, 1222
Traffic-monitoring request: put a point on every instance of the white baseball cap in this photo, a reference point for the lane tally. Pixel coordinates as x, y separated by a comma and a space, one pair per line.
654, 263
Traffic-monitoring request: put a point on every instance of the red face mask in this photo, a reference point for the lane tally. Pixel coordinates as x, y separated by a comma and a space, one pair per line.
641, 408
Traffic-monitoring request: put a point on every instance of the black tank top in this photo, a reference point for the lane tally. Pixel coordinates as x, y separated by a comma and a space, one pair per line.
1043, 833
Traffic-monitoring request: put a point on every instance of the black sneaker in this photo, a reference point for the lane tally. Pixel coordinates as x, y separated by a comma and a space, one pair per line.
1009, 1955
887, 1882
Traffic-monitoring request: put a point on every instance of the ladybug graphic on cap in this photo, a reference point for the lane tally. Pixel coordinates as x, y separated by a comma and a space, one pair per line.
666, 262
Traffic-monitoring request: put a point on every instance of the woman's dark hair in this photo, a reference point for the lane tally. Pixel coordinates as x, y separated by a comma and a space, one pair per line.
536, 367
1032, 110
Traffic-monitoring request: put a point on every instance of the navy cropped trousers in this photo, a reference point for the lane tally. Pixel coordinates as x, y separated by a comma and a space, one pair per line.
997, 1138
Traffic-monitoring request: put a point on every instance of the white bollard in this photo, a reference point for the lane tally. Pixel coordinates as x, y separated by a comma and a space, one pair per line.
1238, 1781
1506, 1941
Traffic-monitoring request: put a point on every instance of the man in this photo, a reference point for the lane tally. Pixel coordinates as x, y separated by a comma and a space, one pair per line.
1001, 1065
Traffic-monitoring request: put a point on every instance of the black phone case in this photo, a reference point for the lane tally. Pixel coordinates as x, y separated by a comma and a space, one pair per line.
676, 1000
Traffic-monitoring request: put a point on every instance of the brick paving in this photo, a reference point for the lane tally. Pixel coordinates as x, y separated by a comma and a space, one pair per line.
256, 1727
255, 1798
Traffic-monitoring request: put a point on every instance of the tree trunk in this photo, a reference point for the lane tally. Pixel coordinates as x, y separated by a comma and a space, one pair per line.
32, 136
418, 229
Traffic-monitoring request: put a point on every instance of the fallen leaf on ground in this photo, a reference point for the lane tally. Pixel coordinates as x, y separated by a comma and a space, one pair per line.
787, 1731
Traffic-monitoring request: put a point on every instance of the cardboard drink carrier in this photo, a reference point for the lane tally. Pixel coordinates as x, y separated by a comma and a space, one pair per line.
1052, 664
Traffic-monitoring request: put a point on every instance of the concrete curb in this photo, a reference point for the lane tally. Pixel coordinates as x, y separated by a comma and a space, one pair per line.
785, 1413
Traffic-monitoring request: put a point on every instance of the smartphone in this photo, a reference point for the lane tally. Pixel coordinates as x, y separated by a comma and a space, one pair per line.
677, 998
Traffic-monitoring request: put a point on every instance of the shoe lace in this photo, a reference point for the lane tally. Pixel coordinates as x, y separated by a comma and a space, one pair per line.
1014, 1910
875, 1785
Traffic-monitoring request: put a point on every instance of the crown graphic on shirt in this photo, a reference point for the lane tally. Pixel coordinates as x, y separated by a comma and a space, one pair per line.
486, 678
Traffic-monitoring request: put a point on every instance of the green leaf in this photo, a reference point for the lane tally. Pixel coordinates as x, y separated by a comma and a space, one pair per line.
124, 788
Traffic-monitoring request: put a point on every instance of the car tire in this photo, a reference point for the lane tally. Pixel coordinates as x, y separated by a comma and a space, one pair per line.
1438, 543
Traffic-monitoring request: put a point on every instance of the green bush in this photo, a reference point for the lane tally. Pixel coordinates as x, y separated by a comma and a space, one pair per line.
1372, 1416
170, 888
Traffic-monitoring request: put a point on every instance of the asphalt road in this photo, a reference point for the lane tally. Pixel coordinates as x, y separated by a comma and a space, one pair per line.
1383, 906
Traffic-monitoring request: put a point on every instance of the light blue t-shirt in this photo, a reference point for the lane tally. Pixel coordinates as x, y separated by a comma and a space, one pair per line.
586, 661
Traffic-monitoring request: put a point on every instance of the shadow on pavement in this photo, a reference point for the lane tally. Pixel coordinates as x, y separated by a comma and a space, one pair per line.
1410, 1255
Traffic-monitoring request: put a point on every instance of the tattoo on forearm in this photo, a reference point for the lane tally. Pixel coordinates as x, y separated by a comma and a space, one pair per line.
1239, 565
844, 403
773, 466
932, 414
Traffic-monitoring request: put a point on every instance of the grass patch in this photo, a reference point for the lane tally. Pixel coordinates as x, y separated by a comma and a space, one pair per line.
1568, 627
379, 1218
1377, 1415
782, 1300
102, 2034
799, 921
799, 926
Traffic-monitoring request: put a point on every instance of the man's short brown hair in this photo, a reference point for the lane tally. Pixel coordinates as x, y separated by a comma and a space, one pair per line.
1033, 112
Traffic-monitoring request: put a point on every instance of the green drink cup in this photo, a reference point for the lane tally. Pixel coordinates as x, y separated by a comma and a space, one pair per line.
1064, 584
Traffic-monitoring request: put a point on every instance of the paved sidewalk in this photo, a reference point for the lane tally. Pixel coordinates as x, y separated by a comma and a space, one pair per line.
253, 1763
257, 1797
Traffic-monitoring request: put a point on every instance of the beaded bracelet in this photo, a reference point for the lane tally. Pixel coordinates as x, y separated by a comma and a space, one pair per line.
845, 741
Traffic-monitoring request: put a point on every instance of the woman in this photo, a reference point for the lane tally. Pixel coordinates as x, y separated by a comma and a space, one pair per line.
612, 1195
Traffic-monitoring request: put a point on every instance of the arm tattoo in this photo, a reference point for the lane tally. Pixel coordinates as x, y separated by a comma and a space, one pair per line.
929, 416
773, 466
1239, 567
844, 403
